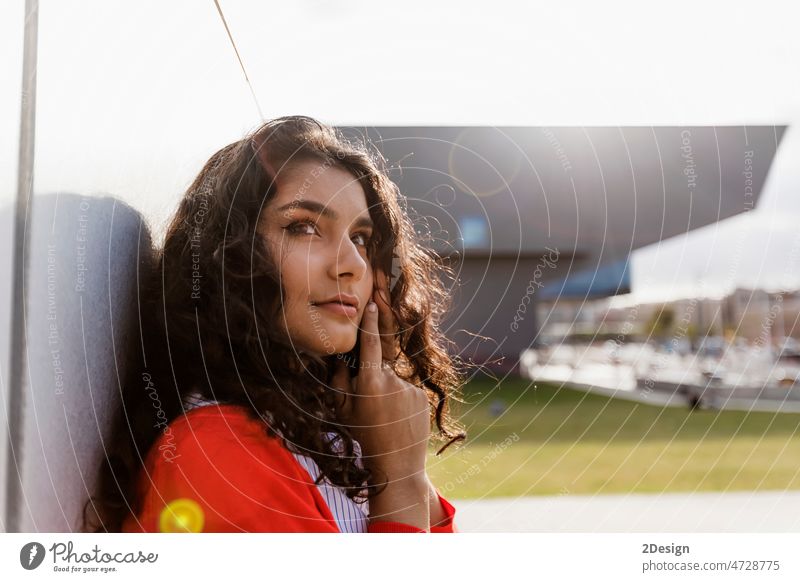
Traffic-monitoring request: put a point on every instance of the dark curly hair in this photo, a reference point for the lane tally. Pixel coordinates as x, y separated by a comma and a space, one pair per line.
202, 331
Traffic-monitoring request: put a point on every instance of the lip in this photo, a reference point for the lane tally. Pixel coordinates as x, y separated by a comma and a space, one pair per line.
342, 304
341, 298
339, 308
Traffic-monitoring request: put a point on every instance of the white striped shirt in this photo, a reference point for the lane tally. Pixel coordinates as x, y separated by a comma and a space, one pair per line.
350, 517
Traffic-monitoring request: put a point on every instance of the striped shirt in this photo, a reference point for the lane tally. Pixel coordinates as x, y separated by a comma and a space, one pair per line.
351, 517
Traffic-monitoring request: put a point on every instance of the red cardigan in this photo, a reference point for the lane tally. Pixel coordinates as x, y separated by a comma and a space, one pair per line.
219, 472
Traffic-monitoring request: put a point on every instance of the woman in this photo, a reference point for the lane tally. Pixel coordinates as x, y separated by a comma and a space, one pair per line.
266, 394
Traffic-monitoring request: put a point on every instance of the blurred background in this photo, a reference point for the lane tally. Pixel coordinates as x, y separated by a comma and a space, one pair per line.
615, 186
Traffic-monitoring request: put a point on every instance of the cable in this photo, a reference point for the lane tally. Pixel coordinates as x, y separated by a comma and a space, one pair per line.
238, 56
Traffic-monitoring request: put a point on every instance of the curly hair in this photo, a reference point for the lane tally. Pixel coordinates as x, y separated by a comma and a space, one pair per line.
204, 333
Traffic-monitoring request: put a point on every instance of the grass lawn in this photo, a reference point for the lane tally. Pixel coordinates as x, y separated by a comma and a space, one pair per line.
551, 440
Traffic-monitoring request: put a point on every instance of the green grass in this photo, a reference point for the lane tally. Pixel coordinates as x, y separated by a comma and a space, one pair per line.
552, 440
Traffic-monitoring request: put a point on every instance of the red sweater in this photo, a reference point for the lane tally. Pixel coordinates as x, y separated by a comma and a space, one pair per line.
215, 470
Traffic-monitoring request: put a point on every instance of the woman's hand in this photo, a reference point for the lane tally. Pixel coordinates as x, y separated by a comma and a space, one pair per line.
389, 417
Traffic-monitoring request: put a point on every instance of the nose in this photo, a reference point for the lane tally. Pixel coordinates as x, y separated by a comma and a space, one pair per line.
348, 261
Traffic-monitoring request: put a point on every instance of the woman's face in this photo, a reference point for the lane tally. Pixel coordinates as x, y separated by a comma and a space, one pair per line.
318, 227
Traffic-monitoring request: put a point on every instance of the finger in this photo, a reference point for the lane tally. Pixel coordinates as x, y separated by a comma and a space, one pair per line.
387, 327
387, 323
370, 355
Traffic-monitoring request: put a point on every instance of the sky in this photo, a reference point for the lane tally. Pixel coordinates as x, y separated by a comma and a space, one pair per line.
133, 97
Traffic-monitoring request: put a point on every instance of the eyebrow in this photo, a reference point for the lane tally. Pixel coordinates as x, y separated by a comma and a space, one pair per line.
326, 211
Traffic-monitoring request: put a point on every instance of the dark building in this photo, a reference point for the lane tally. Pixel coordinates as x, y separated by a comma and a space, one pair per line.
522, 213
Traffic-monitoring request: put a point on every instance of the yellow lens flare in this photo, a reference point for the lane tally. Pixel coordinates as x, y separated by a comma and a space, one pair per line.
182, 516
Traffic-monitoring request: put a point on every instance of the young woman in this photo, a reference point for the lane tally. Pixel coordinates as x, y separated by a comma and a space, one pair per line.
290, 362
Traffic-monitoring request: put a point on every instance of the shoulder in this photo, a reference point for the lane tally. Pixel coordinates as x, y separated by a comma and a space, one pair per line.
216, 415
225, 422
219, 436
220, 460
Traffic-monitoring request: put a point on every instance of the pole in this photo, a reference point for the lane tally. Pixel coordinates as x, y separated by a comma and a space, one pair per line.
22, 216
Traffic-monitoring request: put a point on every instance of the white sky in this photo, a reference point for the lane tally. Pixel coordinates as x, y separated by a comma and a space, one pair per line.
134, 96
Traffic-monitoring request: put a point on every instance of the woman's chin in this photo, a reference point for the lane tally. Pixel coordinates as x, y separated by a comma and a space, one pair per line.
345, 347
334, 348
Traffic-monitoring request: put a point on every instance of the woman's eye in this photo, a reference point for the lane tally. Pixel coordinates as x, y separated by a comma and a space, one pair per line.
364, 238
301, 227
306, 227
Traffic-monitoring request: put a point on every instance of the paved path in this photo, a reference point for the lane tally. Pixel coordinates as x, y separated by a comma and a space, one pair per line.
668, 512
